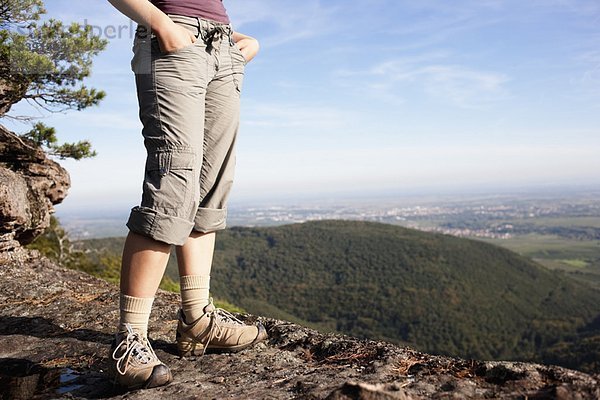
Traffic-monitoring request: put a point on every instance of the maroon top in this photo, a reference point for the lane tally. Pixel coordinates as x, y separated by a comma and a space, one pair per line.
208, 9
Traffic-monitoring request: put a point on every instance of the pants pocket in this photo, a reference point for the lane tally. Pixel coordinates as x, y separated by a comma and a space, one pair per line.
238, 66
169, 182
184, 70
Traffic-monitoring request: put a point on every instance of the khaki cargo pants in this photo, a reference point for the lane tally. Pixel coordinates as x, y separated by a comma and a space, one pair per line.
189, 107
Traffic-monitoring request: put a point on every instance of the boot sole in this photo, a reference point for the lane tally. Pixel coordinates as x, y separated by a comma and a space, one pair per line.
161, 376
189, 347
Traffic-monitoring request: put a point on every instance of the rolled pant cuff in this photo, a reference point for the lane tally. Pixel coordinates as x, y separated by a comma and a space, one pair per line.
158, 226
210, 219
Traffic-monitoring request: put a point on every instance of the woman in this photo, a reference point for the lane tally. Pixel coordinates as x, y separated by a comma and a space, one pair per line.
189, 68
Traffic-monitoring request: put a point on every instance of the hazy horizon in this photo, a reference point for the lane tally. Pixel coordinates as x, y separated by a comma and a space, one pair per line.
412, 197
393, 96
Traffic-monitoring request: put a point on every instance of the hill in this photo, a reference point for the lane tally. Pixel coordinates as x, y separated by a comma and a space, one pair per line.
54, 339
442, 294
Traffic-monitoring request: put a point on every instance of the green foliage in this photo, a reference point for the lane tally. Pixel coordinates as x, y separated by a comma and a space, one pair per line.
579, 351
45, 137
47, 60
108, 267
439, 293
19, 12
168, 284
56, 245
106, 264
224, 304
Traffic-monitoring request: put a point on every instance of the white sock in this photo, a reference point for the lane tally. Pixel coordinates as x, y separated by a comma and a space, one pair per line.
194, 295
135, 311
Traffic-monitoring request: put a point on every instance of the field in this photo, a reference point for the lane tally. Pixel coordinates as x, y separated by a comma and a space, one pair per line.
565, 222
579, 258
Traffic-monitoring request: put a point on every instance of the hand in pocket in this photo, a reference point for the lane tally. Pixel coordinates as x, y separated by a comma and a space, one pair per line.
175, 38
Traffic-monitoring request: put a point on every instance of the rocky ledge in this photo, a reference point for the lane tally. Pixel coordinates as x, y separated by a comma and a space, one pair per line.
56, 326
30, 184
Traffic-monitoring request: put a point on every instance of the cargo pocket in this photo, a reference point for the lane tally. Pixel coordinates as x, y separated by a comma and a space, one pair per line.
169, 181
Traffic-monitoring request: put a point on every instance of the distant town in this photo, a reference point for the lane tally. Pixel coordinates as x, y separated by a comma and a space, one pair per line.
483, 218
491, 217
412, 217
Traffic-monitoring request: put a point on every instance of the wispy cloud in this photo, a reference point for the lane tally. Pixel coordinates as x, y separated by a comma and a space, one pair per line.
100, 121
294, 116
445, 20
464, 87
591, 61
457, 85
585, 8
289, 20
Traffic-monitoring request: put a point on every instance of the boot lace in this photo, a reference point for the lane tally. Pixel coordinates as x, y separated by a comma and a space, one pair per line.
137, 348
218, 317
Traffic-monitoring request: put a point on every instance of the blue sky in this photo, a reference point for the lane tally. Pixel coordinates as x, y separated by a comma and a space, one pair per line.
356, 96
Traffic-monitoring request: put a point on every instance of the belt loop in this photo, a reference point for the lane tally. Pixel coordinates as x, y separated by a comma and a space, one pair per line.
230, 33
201, 29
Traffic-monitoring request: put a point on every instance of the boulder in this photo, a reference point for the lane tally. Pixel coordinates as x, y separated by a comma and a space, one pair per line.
30, 185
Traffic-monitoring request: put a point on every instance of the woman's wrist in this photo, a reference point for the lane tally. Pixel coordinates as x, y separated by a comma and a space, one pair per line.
248, 45
161, 23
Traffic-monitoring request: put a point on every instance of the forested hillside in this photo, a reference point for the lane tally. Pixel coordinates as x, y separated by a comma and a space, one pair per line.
439, 293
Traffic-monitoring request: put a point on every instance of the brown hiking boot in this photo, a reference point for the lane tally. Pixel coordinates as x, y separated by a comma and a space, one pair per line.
134, 364
216, 331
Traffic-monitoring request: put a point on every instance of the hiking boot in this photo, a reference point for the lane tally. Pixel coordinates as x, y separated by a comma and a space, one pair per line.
134, 363
216, 331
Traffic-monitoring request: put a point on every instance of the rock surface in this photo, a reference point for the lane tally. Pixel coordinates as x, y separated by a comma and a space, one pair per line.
30, 184
56, 325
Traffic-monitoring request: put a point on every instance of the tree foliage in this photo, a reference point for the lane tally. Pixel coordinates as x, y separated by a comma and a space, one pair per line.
439, 293
45, 62
45, 137
57, 245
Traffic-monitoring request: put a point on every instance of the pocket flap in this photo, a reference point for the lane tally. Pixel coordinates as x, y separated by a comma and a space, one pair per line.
165, 161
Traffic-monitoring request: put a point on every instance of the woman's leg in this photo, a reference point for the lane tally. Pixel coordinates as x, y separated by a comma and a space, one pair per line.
196, 255
194, 260
211, 327
170, 90
144, 263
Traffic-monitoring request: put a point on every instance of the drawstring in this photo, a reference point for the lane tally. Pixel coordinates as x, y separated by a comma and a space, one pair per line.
215, 36
213, 39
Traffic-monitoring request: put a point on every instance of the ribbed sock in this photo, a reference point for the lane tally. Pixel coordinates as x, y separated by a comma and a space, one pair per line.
135, 311
194, 295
